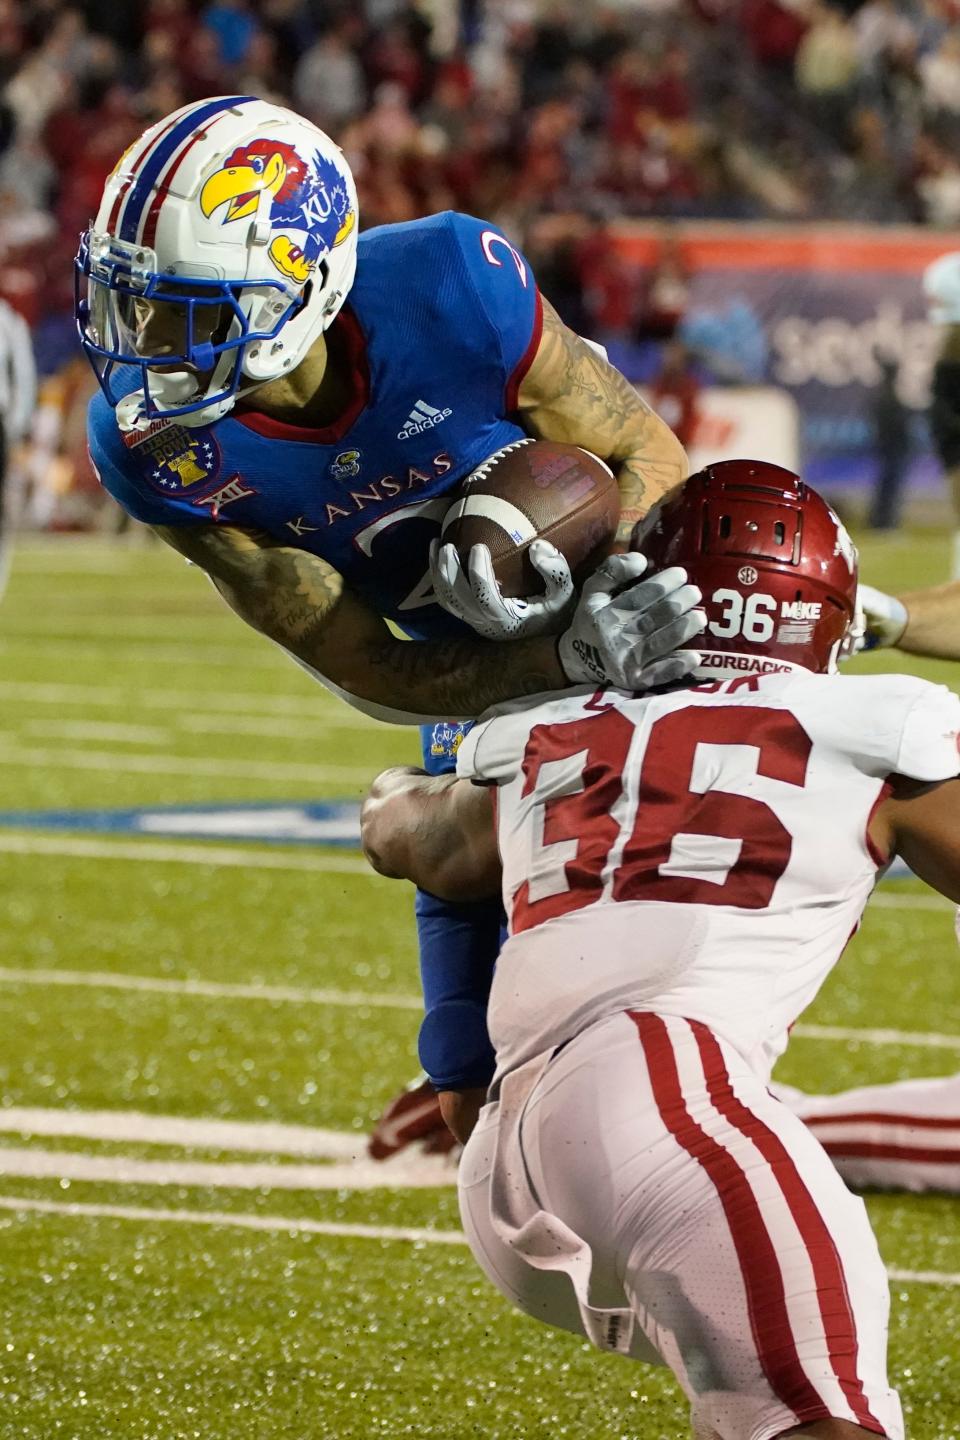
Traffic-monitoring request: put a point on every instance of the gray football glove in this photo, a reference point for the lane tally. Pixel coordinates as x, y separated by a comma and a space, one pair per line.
630, 632
474, 595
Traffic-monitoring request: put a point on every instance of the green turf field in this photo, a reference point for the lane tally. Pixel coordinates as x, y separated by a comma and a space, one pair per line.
154, 1283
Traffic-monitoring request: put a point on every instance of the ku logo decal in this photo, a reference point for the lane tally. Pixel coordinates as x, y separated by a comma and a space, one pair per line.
345, 465
308, 205
447, 739
176, 459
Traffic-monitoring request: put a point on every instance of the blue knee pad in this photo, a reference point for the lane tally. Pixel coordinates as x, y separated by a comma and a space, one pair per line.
459, 944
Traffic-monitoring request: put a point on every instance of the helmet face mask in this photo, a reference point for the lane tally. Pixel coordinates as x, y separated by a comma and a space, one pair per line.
224, 245
776, 567
169, 329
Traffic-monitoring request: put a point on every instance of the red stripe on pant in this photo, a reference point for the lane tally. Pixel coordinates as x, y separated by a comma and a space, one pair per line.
882, 1117
839, 1326
766, 1300
870, 1150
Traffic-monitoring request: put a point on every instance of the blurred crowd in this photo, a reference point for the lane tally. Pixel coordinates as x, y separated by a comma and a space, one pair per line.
547, 116
551, 117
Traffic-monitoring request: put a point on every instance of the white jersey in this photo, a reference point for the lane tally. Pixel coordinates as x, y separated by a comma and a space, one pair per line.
703, 853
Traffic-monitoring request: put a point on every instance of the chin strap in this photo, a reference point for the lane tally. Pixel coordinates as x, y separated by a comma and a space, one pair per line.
132, 417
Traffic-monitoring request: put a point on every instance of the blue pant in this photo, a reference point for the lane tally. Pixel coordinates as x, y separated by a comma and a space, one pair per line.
459, 944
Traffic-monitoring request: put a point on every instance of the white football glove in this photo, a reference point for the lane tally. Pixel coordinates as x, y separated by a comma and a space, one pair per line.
474, 596
880, 619
630, 634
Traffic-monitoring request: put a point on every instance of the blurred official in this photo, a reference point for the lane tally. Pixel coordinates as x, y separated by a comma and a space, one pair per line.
18, 394
941, 283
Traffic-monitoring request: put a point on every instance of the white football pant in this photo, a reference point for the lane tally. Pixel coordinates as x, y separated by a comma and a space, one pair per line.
711, 1213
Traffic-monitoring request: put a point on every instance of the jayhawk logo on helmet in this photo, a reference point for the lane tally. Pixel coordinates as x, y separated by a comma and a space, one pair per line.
310, 198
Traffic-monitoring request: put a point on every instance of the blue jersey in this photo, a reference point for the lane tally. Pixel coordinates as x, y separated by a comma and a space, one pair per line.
442, 323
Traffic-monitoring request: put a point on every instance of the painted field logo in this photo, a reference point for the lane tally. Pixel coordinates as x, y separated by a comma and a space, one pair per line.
345, 465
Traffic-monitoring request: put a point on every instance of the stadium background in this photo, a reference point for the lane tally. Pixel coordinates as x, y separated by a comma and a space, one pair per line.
738, 199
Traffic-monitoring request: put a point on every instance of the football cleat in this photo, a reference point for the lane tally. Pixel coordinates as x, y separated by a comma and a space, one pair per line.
412, 1119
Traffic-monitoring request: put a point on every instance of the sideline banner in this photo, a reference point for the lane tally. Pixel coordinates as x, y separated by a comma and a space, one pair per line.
811, 310
754, 420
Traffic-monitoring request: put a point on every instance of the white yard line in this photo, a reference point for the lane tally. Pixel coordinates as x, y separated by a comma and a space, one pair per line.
111, 696
133, 652
258, 1137
183, 721
267, 716
286, 1225
923, 1277
89, 563
190, 627
104, 731
47, 554
48, 692
924, 1039
108, 980
239, 769
97, 980
20, 843
155, 853
416, 1172
277, 727
272, 1224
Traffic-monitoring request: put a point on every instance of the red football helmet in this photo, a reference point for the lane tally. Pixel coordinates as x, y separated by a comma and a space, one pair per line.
777, 569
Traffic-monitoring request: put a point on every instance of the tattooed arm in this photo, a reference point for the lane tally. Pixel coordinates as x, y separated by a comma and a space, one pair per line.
302, 603
571, 394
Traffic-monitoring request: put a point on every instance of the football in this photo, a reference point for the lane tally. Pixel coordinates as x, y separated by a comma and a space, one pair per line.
531, 489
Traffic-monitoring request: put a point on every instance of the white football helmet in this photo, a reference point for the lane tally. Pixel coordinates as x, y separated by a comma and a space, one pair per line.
225, 243
941, 286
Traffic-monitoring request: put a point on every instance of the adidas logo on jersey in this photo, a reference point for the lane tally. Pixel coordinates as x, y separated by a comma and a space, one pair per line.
422, 417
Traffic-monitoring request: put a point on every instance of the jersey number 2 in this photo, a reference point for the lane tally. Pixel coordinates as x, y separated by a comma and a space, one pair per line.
691, 841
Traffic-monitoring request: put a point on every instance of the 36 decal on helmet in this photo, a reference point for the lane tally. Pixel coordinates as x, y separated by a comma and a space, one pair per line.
225, 243
776, 567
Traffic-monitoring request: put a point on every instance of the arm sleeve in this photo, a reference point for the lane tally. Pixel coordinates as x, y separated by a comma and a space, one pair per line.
506, 294
124, 473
